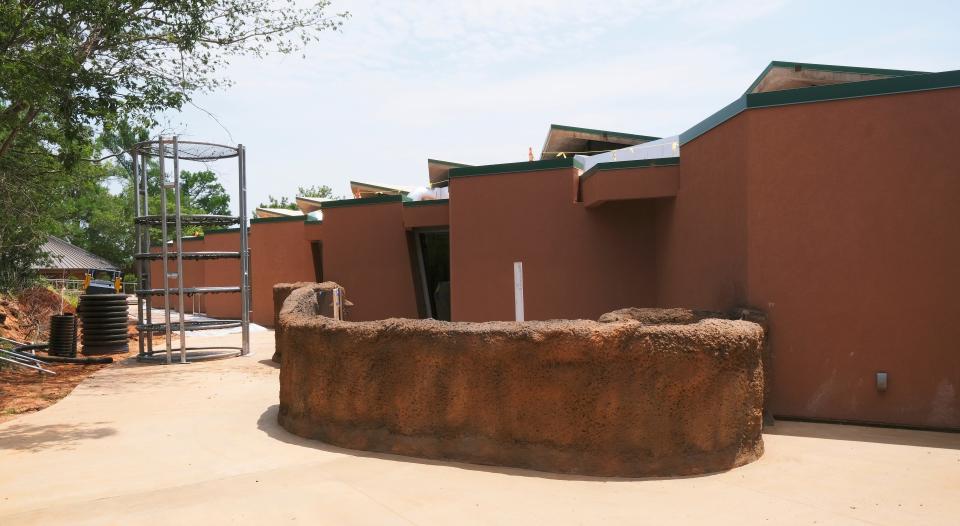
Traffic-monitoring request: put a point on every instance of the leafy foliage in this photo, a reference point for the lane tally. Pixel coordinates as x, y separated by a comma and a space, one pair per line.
321, 192
70, 67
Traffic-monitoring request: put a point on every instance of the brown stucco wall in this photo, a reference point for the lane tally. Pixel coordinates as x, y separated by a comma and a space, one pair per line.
222, 273
278, 254
649, 182
609, 399
853, 253
206, 273
426, 215
194, 273
838, 220
701, 233
365, 249
577, 262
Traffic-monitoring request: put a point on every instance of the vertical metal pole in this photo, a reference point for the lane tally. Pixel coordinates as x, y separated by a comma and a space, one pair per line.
338, 303
518, 290
179, 233
138, 245
164, 251
244, 255
145, 283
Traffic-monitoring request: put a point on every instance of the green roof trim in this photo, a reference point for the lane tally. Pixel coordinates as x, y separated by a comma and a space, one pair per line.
523, 166
313, 222
447, 163
621, 165
850, 90
428, 202
157, 244
282, 219
376, 200
378, 187
724, 114
853, 90
829, 67
222, 231
603, 132
199, 237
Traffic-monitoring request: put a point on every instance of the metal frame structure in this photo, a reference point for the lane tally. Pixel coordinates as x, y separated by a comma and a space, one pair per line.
171, 148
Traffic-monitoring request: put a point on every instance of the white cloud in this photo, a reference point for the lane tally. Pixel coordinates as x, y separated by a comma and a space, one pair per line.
480, 81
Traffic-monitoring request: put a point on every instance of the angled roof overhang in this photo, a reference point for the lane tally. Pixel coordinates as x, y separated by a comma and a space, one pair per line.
567, 141
309, 204
361, 189
262, 212
440, 171
847, 90
781, 75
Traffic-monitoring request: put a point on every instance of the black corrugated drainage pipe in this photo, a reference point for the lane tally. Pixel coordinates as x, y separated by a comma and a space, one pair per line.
63, 335
104, 322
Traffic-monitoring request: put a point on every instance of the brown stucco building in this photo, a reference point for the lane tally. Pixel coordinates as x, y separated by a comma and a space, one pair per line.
825, 196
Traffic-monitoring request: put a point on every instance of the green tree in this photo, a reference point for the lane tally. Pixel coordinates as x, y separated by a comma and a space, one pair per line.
68, 67
202, 192
321, 192
283, 202
98, 220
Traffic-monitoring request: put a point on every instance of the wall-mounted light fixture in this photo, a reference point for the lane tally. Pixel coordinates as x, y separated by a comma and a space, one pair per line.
881, 381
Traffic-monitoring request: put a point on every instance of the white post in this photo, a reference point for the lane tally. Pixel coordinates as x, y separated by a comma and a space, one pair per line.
518, 289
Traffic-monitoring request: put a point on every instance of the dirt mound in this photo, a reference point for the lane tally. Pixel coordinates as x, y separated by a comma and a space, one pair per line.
656, 316
26, 316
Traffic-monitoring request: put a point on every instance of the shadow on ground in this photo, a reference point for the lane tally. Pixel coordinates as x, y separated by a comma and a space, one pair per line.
269, 425
855, 433
25, 437
270, 362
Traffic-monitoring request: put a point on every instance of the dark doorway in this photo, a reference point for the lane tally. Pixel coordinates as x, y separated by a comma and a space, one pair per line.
316, 248
433, 258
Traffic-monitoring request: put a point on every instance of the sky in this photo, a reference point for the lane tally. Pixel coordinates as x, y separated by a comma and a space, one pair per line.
480, 81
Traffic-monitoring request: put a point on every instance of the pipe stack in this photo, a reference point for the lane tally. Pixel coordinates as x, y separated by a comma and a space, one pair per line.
104, 322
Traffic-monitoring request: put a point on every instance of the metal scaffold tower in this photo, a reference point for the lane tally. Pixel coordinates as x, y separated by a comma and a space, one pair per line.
171, 283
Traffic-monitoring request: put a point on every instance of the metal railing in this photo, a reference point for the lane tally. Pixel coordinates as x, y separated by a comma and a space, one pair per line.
75, 286
66, 284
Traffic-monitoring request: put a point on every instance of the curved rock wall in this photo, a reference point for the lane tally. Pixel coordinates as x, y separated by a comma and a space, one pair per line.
610, 399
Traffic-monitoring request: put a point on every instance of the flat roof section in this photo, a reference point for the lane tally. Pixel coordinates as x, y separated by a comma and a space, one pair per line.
522, 166
630, 180
279, 219
361, 201
571, 140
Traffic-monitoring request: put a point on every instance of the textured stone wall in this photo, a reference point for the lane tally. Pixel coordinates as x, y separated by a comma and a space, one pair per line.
622, 398
282, 290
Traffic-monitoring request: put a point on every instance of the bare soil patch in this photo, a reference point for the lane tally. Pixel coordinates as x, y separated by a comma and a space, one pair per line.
26, 318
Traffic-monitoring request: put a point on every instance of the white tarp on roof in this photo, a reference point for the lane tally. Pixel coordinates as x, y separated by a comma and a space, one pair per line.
658, 149
427, 194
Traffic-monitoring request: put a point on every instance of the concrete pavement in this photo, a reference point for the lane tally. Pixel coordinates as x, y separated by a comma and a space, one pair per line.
199, 444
